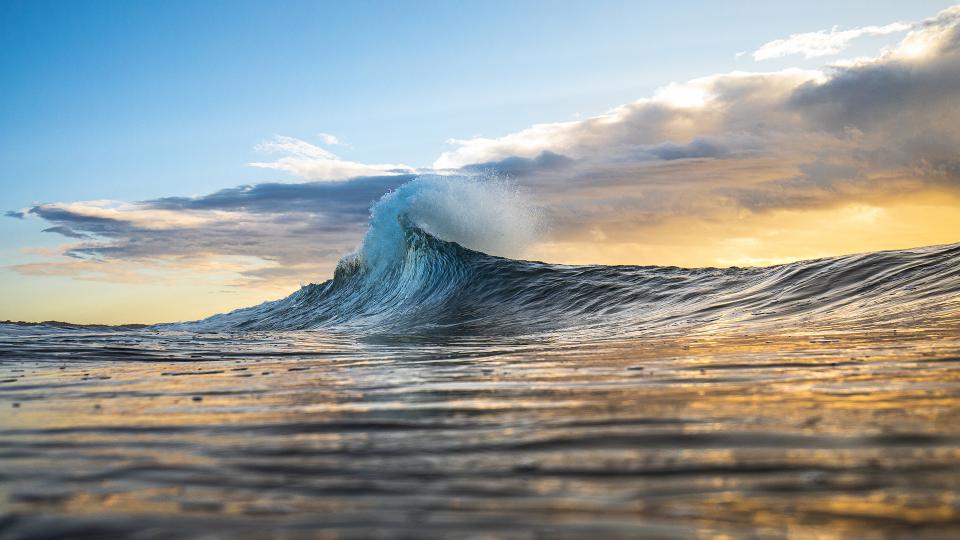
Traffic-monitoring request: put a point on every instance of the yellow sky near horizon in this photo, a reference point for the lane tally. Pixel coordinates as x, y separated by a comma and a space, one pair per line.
774, 237
756, 239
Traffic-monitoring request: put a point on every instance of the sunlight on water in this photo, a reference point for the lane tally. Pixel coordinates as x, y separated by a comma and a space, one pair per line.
830, 434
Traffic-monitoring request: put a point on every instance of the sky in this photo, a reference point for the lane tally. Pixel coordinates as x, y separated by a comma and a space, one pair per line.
165, 161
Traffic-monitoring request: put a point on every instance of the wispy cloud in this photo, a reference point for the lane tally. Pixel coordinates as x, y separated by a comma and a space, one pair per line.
329, 139
311, 162
823, 42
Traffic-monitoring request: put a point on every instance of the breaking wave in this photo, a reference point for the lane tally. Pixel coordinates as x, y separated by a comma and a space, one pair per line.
433, 261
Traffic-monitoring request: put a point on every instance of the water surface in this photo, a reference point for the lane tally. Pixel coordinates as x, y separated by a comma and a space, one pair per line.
433, 390
288, 434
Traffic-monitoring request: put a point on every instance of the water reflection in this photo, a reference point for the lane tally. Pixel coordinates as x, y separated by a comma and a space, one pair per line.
292, 434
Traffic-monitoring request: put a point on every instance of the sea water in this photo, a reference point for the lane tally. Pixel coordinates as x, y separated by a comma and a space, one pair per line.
432, 389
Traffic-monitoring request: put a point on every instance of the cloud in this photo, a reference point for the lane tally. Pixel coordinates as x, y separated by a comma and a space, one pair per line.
700, 147
14, 214
344, 200
311, 162
328, 139
733, 104
725, 162
286, 232
516, 166
65, 231
735, 145
823, 42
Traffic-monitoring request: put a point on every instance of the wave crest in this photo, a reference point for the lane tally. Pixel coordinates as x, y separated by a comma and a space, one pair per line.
486, 214
422, 268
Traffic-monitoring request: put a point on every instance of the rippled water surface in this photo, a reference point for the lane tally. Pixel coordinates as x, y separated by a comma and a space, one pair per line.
140, 433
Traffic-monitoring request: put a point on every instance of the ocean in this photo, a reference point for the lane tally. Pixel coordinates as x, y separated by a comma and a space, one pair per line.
432, 390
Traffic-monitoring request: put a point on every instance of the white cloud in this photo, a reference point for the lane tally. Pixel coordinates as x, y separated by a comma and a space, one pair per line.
314, 163
328, 139
677, 112
929, 34
823, 42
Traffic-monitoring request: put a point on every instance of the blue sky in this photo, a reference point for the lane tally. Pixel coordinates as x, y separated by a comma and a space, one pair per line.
131, 101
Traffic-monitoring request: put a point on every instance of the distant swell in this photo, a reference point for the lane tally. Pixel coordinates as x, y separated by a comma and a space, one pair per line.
404, 279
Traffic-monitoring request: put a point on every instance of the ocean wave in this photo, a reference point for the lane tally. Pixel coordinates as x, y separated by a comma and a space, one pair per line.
424, 267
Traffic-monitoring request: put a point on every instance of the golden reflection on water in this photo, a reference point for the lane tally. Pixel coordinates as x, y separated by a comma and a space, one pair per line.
827, 436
